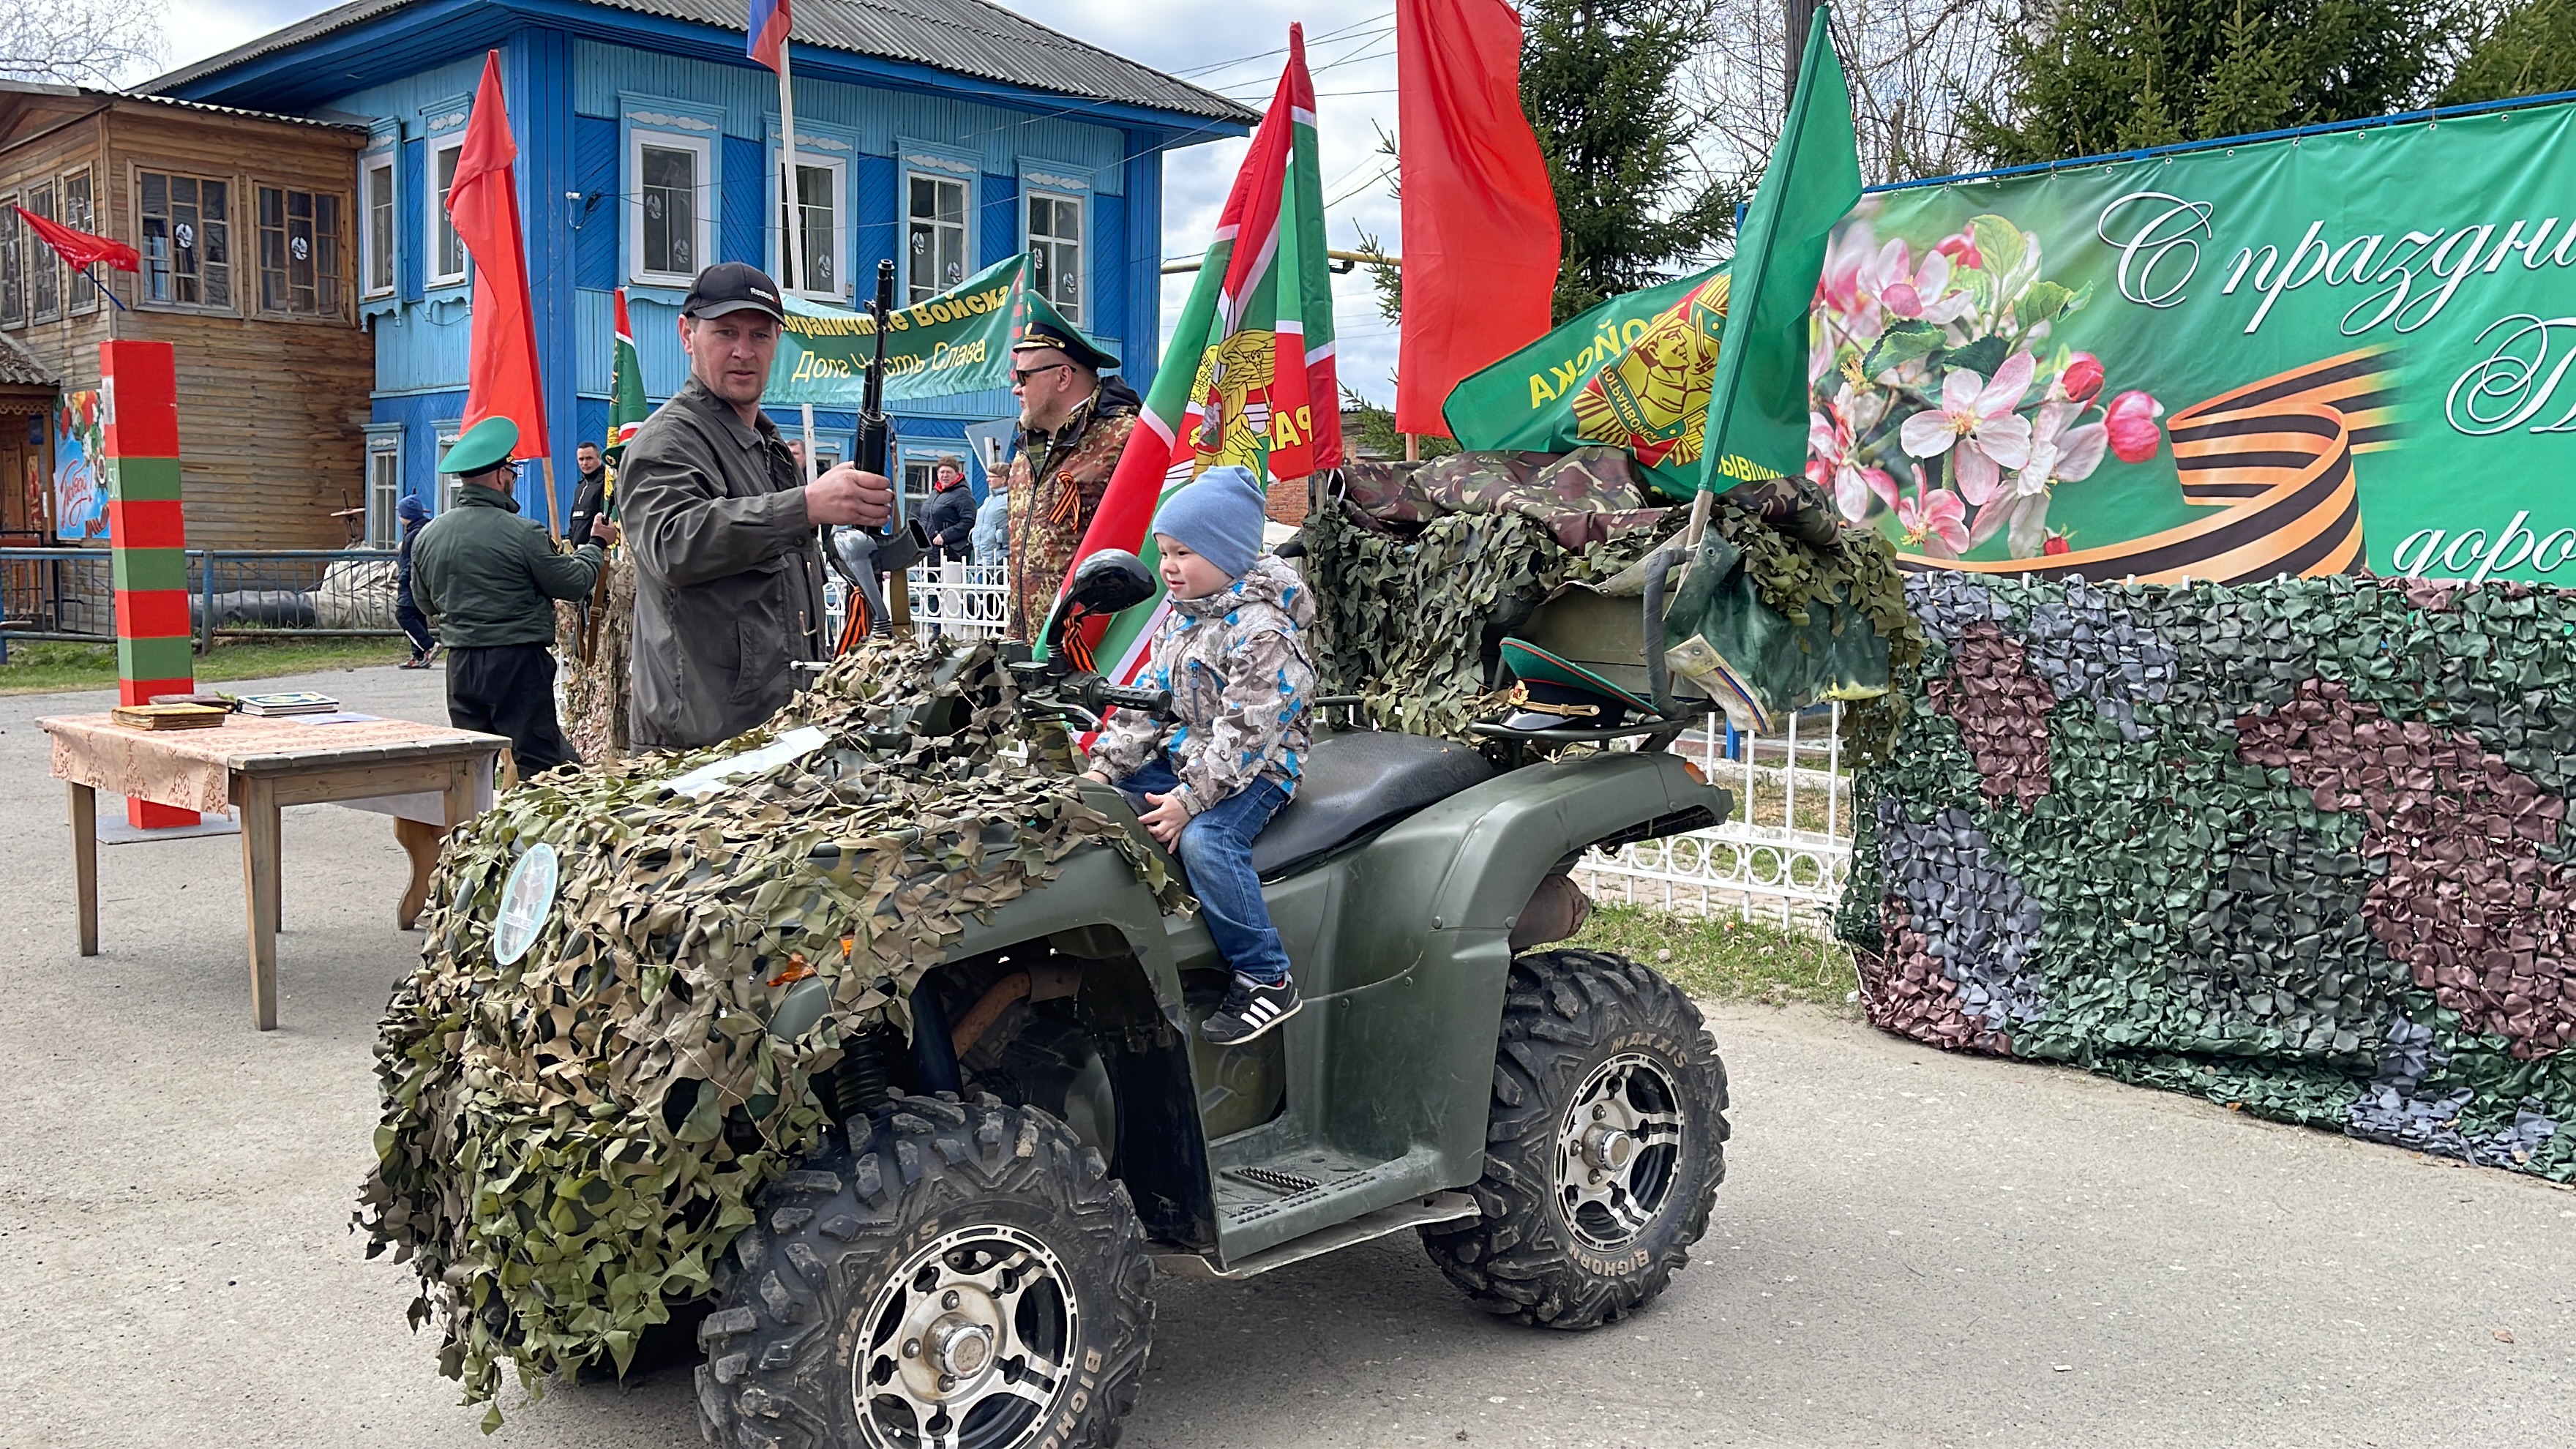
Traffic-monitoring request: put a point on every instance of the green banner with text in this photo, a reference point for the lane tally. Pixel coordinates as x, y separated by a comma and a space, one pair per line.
958, 341
2305, 356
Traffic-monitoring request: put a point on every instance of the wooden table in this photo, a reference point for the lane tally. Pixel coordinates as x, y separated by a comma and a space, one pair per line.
430, 777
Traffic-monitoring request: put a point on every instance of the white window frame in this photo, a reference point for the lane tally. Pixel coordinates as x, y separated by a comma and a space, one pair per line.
443, 439
702, 243
1080, 241
440, 228
839, 168
965, 226
390, 160
384, 523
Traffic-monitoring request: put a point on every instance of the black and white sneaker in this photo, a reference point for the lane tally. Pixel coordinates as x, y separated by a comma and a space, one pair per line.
1249, 1010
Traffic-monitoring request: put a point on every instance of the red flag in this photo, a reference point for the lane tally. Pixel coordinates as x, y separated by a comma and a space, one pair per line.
1480, 237
501, 377
79, 248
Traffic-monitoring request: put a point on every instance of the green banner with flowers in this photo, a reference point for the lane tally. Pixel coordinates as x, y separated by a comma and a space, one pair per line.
2305, 356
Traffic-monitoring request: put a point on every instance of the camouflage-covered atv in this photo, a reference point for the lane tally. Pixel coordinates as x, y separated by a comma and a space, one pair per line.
964, 1256
968, 1264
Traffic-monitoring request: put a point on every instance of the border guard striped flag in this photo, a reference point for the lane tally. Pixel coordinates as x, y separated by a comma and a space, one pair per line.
627, 408
1248, 377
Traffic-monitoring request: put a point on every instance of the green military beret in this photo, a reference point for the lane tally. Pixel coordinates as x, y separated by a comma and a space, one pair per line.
1564, 682
485, 446
1040, 333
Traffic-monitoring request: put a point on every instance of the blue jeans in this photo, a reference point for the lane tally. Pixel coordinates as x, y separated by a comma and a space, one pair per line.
1216, 851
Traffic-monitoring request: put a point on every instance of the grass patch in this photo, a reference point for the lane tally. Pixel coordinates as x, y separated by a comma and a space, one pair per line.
55, 668
1722, 958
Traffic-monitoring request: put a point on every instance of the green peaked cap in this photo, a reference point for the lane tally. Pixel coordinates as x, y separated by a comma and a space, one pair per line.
484, 446
1531, 664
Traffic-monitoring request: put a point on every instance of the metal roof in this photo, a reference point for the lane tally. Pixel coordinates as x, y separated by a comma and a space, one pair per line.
19, 368
44, 90
966, 37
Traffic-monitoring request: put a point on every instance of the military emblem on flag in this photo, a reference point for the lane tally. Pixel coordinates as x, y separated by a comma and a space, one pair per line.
1249, 376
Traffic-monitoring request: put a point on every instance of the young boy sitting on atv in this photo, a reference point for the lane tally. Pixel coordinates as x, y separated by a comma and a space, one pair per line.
1206, 783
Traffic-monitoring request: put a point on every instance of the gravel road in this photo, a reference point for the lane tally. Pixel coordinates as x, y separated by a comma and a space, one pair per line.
1910, 1248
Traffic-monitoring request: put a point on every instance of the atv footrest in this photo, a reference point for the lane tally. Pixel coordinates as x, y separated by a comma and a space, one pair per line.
1437, 1208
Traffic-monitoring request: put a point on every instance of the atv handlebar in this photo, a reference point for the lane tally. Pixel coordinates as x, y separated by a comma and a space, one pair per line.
1099, 694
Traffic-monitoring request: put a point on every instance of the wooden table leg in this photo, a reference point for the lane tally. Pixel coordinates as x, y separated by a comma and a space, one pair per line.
420, 841
85, 863
257, 799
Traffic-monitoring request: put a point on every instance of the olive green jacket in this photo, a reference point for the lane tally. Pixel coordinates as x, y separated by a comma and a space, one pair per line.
728, 575
485, 576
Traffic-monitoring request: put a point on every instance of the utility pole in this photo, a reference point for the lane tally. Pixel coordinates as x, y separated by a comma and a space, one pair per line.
1801, 16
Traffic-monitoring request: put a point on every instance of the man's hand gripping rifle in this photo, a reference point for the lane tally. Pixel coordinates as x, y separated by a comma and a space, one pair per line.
859, 554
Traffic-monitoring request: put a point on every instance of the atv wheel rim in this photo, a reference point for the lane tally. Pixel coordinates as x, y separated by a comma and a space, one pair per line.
1618, 1150
967, 1344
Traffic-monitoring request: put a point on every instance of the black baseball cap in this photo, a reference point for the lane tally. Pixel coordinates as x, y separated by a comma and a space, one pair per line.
730, 287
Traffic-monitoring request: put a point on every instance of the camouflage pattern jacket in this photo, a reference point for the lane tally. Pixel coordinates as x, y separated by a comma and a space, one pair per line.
1242, 690
1056, 483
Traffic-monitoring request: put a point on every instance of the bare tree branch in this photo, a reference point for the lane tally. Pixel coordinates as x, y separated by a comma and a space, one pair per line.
80, 42
1910, 63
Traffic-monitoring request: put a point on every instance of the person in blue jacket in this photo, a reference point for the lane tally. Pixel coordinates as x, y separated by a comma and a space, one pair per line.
413, 515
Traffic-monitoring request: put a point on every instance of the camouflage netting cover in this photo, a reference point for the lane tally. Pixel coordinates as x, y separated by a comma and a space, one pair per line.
570, 1141
2300, 847
1420, 572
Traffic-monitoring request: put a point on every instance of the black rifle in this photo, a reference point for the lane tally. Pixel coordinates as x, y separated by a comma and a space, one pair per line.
902, 543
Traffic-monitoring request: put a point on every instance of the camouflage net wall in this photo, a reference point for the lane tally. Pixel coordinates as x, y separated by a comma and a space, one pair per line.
2300, 847
571, 1140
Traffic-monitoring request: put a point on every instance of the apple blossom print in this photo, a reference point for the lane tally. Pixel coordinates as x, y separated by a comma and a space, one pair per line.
1938, 366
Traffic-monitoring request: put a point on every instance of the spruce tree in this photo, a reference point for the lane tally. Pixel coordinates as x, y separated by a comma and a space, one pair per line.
2086, 77
1599, 80
2528, 49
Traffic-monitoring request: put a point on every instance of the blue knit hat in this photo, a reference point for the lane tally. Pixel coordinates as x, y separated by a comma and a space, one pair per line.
1218, 515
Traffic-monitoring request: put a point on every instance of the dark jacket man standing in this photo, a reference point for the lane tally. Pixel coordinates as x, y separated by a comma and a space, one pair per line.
487, 578
590, 492
413, 515
728, 575
1073, 425
949, 516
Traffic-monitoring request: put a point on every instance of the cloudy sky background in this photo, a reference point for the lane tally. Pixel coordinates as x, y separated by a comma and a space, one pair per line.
1350, 49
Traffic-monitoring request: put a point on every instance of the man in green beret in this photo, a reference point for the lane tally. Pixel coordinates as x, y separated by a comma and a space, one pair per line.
487, 579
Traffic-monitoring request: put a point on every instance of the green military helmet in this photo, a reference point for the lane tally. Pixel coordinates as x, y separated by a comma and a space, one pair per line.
1559, 694
485, 446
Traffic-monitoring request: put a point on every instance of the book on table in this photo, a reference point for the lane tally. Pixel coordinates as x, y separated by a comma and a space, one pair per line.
168, 716
287, 702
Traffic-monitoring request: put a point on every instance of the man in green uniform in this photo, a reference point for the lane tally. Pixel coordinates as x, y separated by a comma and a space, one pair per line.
486, 578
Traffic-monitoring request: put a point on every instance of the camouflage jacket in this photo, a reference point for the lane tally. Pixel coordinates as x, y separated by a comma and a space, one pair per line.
1242, 690
1055, 484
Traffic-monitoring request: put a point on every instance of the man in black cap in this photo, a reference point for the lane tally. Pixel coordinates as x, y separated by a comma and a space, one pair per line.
728, 575
1073, 425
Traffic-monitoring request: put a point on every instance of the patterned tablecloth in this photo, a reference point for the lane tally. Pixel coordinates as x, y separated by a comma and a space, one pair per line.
193, 769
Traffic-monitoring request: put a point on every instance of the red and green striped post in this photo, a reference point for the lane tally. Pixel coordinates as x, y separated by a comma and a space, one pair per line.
147, 538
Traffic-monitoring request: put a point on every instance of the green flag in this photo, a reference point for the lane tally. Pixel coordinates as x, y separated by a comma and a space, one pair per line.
627, 408
1757, 402
1632, 372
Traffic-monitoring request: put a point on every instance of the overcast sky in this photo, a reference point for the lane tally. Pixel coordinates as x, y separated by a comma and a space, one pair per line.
1351, 49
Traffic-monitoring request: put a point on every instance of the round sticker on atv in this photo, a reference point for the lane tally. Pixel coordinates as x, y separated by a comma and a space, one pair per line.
525, 898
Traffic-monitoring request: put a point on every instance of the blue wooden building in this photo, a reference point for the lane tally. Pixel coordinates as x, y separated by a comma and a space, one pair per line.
945, 134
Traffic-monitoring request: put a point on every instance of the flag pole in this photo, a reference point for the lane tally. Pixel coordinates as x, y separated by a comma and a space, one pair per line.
791, 213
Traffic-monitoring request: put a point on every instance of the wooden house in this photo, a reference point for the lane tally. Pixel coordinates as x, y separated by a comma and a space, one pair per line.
247, 230
942, 134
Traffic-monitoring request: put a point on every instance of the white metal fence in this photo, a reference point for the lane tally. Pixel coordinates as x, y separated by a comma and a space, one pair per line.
1786, 852
958, 600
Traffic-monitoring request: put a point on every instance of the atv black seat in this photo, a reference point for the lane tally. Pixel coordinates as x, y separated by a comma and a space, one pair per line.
1356, 783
